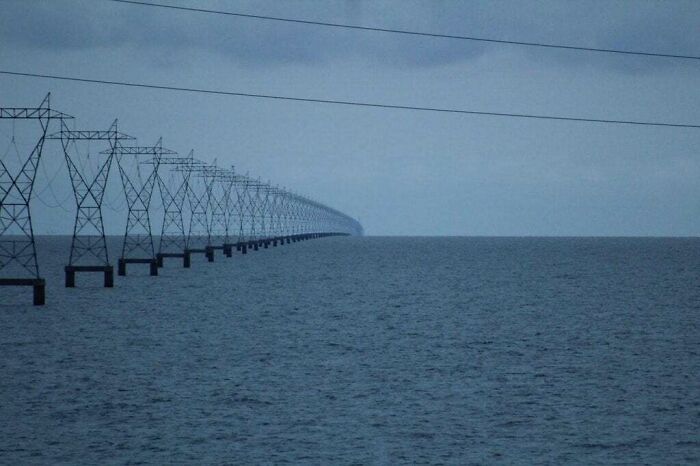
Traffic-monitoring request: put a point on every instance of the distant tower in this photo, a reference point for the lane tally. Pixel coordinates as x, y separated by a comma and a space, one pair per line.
138, 186
173, 192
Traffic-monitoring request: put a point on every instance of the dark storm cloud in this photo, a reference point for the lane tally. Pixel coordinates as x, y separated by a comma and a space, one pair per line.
623, 25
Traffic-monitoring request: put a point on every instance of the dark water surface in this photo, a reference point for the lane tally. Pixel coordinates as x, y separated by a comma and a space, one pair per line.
364, 351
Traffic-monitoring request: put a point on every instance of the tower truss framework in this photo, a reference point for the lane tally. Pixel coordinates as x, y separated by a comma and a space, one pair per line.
138, 246
173, 192
204, 207
198, 196
88, 251
18, 255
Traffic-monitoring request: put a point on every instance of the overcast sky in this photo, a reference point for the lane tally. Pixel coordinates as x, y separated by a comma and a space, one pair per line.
399, 172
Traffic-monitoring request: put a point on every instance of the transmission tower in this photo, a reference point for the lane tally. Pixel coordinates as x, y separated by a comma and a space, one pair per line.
17, 248
88, 252
138, 187
241, 206
274, 214
263, 212
173, 192
220, 182
227, 178
198, 196
255, 206
285, 220
295, 217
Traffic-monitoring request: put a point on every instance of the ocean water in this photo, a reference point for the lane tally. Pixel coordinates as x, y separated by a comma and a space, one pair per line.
363, 351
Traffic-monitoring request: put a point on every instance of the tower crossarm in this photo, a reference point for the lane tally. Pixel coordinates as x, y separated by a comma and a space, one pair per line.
89, 135
111, 134
142, 150
42, 112
38, 113
167, 160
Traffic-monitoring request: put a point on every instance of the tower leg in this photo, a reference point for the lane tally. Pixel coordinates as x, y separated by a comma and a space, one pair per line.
39, 292
109, 277
70, 278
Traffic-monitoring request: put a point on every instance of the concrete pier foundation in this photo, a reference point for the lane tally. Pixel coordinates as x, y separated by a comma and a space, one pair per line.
162, 255
38, 287
209, 254
71, 270
152, 263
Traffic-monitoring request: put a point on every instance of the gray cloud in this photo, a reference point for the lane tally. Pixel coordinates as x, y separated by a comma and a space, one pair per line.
401, 172
661, 27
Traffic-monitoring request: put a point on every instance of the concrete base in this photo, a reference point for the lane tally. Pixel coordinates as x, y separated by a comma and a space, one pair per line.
162, 255
153, 264
38, 287
209, 255
71, 270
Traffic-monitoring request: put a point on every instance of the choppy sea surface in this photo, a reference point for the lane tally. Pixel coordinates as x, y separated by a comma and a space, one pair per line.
363, 351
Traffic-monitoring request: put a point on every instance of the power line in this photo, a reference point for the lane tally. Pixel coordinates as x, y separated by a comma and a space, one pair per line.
410, 33
348, 102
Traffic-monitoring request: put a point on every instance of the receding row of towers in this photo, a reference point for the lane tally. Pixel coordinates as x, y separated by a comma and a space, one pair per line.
205, 208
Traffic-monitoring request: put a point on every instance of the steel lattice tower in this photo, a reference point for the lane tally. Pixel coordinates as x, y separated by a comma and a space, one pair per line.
138, 247
198, 195
88, 252
263, 211
273, 214
17, 246
173, 237
227, 180
241, 208
220, 183
220, 202
254, 210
